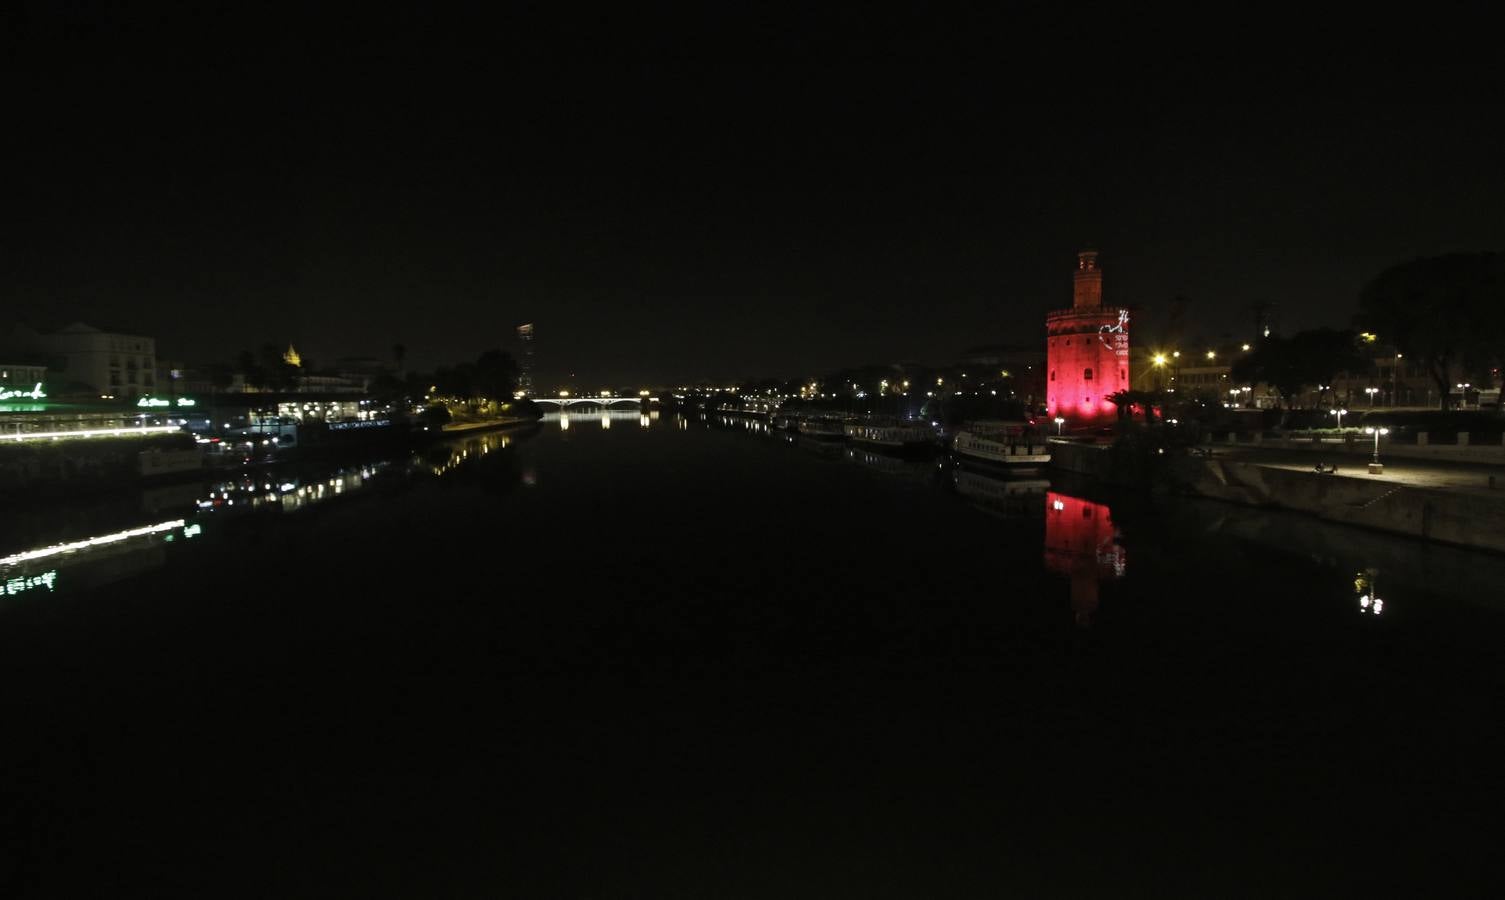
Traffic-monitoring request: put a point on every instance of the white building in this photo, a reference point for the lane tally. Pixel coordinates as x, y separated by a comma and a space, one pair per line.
118, 365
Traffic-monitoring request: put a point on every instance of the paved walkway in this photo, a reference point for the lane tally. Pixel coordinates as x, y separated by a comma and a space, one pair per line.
462, 427
1472, 478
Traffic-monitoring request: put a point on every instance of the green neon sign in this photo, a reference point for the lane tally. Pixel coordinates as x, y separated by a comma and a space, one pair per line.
35, 393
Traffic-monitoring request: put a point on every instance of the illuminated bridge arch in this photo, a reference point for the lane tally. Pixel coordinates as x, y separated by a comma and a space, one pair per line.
565, 402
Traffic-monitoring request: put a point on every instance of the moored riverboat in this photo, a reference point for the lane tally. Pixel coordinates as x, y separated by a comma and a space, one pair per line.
786, 421
1009, 444
822, 428
893, 435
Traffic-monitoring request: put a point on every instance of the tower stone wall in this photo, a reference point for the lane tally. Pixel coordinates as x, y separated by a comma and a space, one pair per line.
1087, 350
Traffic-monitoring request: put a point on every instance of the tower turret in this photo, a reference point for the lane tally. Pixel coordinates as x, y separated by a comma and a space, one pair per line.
1087, 282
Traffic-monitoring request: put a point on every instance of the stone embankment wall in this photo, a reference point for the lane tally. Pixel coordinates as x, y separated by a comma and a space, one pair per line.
1463, 450
1093, 460
1463, 519
1451, 517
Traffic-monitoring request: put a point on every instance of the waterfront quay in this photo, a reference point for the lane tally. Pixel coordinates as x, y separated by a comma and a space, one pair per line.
1447, 502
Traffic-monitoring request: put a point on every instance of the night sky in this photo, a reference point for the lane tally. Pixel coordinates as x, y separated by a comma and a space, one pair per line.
720, 197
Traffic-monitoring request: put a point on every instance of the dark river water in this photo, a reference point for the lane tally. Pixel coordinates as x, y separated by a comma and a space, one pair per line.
664, 657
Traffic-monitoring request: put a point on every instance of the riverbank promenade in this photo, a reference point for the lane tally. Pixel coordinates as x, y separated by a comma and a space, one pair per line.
1464, 478
1450, 503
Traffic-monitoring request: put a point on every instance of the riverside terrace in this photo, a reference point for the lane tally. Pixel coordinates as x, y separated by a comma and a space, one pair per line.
57, 419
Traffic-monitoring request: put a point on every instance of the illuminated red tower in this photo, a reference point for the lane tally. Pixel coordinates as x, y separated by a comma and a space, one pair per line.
1087, 349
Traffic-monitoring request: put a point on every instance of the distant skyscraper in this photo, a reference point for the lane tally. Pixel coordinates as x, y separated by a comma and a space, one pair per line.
525, 362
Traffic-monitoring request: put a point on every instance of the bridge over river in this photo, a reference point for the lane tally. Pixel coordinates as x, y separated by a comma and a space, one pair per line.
567, 402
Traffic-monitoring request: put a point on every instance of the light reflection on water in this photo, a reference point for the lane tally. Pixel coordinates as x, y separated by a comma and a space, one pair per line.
47, 567
602, 418
1080, 541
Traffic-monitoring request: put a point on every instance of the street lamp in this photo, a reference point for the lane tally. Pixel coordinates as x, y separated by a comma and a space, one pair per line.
1463, 394
1374, 464
1340, 413
1371, 391
1059, 422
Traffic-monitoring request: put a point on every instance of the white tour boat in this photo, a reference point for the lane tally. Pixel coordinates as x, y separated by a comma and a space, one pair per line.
1001, 443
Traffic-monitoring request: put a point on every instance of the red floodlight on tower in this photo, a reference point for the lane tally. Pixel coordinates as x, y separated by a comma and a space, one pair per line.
1087, 350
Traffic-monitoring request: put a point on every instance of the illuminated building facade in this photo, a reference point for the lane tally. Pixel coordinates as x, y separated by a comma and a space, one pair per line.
123, 365
1087, 350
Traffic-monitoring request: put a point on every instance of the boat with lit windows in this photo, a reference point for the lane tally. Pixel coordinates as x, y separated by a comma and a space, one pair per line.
786, 421
826, 428
893, 435
1010, 444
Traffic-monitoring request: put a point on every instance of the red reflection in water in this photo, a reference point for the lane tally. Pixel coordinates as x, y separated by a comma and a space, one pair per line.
1080, 544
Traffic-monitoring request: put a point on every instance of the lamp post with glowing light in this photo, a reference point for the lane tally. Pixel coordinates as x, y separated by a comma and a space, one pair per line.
1158, 362
1059, 422
1340, 413
1371, 391
1374, 463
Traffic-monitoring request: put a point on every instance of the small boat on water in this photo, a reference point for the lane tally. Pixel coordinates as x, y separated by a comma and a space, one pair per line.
822, 427
1001, 443
893, 435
